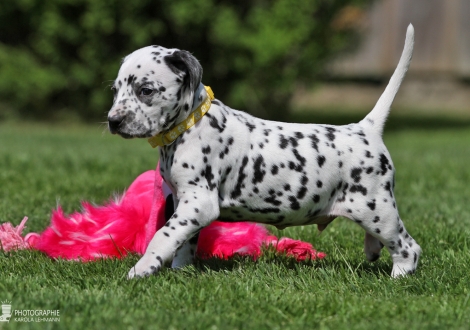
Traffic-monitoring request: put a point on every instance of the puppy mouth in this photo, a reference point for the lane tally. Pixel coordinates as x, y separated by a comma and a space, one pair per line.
116, 129
127, 130
125, 135
130, 135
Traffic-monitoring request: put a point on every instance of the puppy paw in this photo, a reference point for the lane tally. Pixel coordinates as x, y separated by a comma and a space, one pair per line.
143, 268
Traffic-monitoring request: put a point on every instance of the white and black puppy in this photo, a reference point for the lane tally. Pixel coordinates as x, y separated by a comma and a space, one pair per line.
233, 167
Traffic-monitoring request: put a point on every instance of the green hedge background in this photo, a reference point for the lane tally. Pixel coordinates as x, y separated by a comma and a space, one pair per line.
58, 57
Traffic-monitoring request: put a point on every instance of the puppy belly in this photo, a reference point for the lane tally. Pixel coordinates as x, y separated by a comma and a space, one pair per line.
281, 216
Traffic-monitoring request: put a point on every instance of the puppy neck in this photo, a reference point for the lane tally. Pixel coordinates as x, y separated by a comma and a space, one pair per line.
168, 137
199, 96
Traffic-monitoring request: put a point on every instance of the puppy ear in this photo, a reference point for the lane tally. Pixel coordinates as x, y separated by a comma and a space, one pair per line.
183, 63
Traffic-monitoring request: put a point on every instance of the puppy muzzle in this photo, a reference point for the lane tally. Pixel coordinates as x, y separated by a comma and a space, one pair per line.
115, 123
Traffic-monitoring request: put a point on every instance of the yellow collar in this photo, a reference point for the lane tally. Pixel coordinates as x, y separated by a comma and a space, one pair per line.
166, 138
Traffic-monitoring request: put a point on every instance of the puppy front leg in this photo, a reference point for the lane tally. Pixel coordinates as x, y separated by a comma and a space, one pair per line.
188, 219
185, 254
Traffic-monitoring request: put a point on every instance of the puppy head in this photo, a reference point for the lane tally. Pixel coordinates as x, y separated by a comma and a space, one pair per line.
154, 91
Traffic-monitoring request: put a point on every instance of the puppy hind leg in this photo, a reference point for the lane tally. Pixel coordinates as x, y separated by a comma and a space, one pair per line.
384, 227
405, 253
372, 247
186, 253
402, 247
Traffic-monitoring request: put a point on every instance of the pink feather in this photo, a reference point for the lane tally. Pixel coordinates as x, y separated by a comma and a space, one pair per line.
114, 229
128, 223
10, 237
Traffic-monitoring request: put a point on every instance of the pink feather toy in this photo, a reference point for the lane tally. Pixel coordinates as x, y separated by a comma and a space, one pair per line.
128, 223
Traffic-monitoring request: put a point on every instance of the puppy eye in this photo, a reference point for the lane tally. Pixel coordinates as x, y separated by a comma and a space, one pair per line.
146, 91
114, 89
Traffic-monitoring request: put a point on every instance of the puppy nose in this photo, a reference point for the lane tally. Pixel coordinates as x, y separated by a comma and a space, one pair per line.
114, 122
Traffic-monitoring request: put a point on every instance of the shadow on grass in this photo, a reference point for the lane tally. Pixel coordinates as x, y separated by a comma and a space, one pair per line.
237, 261
395, 122
330, 265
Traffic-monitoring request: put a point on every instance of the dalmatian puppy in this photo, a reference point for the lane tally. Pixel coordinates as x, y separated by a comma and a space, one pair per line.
232, 166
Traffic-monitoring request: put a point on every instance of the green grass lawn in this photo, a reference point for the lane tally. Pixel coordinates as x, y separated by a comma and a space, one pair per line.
41, 166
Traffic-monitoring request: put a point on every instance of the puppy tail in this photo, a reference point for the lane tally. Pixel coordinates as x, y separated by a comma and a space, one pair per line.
377, 117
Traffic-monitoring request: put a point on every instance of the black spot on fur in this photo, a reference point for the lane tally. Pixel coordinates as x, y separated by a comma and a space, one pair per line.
274, 170
314, 140
371, 205
293, 142
294, 204
206, 150
321, 160
384, 163
299, 135
207, 173
283, 142
251, 127
295, 167
272, 200
130, 79
356, 174
388, 187
213, 122
241, 177
264, 210
301, 192
330, 135
297, 156
258, 170
358, 188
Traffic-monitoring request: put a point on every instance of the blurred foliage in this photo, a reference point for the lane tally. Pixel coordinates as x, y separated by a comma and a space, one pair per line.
60, 56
